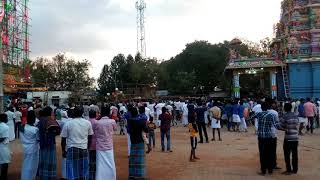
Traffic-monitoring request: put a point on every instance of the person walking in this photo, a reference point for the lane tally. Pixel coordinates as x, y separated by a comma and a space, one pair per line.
76, 138
48, 130
30, 142
165, 119
200, 119
310, 111
290, 122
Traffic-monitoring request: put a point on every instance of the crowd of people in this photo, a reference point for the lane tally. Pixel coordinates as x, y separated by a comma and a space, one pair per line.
87, 133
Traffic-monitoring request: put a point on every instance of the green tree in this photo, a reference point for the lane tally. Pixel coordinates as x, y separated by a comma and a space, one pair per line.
61, 74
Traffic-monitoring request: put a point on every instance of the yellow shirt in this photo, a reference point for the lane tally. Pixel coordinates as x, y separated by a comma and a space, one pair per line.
193, 132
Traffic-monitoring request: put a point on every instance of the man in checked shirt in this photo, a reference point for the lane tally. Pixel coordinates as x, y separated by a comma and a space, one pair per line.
266, 121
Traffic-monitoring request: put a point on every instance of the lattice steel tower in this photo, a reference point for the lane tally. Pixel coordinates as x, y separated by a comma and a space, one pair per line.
15, 35
141, 40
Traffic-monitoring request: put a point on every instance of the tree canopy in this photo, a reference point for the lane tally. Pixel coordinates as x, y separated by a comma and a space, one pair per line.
61, 73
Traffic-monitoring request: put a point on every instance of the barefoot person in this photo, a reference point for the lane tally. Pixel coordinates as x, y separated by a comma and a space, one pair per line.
215, 115
193, 140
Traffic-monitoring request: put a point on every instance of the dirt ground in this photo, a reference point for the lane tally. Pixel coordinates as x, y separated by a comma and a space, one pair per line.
236, 157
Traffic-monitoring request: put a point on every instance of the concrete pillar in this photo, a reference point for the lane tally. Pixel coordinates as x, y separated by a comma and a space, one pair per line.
236, 85
273, 82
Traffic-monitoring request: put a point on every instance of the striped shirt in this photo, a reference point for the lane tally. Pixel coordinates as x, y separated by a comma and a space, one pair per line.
290, 122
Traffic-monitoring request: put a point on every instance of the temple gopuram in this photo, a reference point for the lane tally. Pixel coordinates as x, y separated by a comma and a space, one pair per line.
293, 67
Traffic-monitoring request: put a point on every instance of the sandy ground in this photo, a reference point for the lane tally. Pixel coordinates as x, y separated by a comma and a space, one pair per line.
236, 157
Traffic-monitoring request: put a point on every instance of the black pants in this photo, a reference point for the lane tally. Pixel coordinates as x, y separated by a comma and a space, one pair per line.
202, 127
291, 147
310, 124
4, 171
265, 152
274, 152
17, 126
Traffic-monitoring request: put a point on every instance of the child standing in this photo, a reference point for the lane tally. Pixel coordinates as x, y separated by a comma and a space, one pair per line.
193, 129
5, 153
151, 127
122, 123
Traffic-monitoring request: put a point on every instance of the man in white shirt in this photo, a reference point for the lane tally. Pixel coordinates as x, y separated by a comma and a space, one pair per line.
5, 153
10, 123
185, 111
76, 135
256, 109
159, 107
30, 143
147, 112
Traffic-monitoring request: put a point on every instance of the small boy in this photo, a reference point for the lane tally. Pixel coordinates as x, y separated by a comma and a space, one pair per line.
193, 129
122, 123
142, 116
151, 127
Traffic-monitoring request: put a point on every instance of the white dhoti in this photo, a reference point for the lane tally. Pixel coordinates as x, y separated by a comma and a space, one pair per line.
11, 131
185, 120
236, 118
243, 124
30, 166
5, 154
106, 168
215, 124
64, 168
303, 120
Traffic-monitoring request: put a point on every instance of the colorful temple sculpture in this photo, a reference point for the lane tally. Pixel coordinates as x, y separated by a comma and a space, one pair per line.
294, 65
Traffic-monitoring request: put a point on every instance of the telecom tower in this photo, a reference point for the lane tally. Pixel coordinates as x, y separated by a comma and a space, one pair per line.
141, 41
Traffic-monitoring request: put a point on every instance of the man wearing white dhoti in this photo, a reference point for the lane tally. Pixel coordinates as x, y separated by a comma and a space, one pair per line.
11, 118
30, 142
184, 110
103, 130
5, 153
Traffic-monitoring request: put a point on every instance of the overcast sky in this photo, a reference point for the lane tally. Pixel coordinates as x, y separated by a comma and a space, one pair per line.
100, 29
